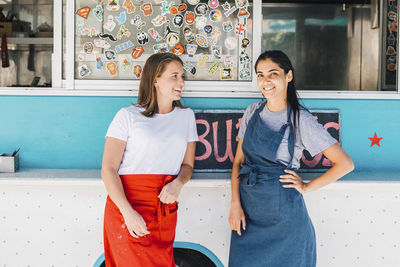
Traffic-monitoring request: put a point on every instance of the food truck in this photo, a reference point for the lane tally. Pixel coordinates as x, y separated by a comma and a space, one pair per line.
69, 66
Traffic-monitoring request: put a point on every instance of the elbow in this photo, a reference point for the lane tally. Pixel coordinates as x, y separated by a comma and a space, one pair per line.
349, 165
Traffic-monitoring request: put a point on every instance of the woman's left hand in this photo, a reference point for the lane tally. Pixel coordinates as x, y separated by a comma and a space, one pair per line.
170, 192
294, 181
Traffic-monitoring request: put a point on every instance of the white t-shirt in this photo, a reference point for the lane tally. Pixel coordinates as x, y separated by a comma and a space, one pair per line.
154, 145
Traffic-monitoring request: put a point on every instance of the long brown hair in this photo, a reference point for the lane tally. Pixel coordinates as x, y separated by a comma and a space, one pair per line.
154, 68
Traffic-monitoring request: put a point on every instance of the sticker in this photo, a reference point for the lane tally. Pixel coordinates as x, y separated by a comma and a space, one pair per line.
244, 74
226, 6
243, 13
172, 39
160, 48
83, 12
189, 17
102, 43
240, 29
147, 9
123, 46
244, 58
154, 34
109, 36
83, 71
88, 48
173, 10
391, 66
391, 39
137, 52
208, 29
178, 20
189, 67
125, 64
99, 63
226, 73
241, 3
213, 3
110, 24
230, 43
392, 15
188, 34
201, 40
201, 9
109, 54
216, 51
191, 49
165, 7
390, 50
193, 2
228, 61
81, 57
123, 31
98, 12
89, 32
112, 68
203, 60
159, 20
128, 5
138, 22
227, 26
229, 12
245, 43
178, 49
113, 5
215, 15
182, 8
213, 68
137, 71
142, 37
201, 21
121, 18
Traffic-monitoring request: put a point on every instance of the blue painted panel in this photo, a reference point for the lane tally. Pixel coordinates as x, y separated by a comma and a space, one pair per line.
68, 132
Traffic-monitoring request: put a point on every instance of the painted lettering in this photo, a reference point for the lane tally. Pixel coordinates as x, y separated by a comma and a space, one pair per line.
228, 149
202, 139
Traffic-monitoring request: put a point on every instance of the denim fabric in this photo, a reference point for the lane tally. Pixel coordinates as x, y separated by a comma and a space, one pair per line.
279, 232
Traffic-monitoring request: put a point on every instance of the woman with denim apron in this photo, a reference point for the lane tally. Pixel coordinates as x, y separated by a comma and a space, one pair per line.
268, 216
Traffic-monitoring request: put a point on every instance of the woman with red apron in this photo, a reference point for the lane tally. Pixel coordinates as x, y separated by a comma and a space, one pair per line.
268, 216
148, 157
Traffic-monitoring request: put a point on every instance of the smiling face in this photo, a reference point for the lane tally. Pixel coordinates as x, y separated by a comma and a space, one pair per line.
169, 84
272, 80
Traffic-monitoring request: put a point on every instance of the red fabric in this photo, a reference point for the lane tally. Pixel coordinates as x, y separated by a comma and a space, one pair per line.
155, 249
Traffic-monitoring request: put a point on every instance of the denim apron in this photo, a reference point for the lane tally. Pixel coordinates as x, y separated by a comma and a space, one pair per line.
279, 232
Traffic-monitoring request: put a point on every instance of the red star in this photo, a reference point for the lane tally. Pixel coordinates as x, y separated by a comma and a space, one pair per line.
375, 140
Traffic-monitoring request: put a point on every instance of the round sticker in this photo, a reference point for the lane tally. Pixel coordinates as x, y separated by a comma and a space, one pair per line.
193, 2
215, 15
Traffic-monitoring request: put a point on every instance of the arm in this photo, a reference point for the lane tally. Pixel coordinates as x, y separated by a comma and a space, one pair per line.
170, 192
236, 216
342, 164
112, 157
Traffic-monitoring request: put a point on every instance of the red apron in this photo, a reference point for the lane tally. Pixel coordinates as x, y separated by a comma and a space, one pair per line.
122, 249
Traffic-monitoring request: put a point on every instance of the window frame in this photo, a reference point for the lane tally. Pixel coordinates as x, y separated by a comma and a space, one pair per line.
226, 89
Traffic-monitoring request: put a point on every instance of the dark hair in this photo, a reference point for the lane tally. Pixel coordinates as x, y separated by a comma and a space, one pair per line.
284, 63
154, 68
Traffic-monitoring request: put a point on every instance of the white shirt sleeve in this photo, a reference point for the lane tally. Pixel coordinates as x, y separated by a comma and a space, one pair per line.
193, 136
119, 127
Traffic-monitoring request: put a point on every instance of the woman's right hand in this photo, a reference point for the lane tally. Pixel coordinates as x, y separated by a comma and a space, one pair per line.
237, 219
135, 223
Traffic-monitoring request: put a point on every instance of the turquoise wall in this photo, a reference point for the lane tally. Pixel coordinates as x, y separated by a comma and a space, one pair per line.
68, 132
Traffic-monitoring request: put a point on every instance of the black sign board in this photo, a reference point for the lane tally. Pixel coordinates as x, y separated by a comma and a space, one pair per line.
218, 129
